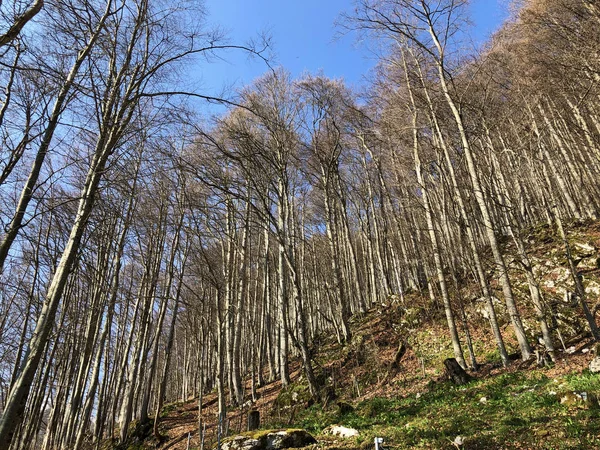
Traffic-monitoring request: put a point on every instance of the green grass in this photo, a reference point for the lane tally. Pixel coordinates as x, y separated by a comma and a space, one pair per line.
522, 410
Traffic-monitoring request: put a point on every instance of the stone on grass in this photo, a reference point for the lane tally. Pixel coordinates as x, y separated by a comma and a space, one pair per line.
341, 431
241, 443
595, 365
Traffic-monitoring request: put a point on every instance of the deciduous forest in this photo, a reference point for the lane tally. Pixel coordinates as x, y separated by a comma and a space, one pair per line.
149, 254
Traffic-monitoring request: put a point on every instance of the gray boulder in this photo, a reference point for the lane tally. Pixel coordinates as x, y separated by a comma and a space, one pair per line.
269, 440
240, 443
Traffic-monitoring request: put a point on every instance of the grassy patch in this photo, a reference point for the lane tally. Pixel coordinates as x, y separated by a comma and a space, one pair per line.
512, 410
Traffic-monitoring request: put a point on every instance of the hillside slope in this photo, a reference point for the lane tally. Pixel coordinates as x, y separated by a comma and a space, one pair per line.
389, 381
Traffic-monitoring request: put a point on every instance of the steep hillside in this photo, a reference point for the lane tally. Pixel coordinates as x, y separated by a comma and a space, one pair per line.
390, 381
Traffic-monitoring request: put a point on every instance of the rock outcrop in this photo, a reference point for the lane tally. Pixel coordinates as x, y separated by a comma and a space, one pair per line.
269, 440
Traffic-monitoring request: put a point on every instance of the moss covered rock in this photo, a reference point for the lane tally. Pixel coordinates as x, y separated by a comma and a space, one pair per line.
269, 440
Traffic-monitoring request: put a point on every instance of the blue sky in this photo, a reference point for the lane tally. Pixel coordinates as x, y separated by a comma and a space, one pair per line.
304, 38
